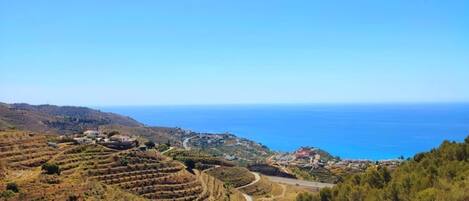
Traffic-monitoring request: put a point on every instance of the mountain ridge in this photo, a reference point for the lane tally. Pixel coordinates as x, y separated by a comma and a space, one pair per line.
58, 119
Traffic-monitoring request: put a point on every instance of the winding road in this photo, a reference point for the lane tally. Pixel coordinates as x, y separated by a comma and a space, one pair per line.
257, 179
186, 141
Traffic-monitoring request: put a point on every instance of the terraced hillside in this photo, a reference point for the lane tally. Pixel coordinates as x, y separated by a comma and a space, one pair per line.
23, 150
234, 176
86, 168
83, 157
199, 158
149, 176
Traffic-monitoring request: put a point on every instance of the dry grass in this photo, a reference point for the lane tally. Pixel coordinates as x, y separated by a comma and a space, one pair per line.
262, 188
283, 192
235, 176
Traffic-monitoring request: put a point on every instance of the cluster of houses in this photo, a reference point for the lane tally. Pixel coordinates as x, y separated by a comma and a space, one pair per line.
209, 140
308, 157
116, 141
244, 148
357, 165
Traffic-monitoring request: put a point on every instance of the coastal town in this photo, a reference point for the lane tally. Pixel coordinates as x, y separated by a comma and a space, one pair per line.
315, 163
315, 158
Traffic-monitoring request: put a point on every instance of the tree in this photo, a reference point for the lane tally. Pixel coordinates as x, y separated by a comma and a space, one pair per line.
51, 168
112, 133
72, 198
13, 187
150, 144
162, 147
373, 178
385, 174
190, 164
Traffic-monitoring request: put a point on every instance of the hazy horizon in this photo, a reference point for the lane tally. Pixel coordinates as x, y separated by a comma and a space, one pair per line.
250, 104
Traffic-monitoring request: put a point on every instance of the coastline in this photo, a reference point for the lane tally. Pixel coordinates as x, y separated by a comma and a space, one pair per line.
376, 132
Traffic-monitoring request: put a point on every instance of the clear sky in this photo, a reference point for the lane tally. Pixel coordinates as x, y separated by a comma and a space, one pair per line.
218, 52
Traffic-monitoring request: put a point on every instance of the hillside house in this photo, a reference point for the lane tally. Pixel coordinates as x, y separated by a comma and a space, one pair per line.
84, 140
304, 152
91, 134
120, 142
121, 138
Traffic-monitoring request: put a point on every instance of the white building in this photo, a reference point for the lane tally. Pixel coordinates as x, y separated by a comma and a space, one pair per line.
91, 133
83, 140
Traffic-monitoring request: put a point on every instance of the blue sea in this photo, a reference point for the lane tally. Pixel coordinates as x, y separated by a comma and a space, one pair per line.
352, 131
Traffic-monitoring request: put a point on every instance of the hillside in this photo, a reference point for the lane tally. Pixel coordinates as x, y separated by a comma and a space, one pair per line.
440, 174
230, 147
197, 158
58, 119
234, 176
32, 169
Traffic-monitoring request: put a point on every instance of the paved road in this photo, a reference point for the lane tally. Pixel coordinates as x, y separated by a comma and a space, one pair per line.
184, 143
310, 184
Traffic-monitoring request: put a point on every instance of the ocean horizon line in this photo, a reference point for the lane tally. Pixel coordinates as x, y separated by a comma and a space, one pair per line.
282, 104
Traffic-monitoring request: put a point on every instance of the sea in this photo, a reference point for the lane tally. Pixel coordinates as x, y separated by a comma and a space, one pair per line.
350, 131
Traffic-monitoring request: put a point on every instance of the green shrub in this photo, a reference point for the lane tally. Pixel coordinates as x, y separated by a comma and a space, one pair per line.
190, 164
51, 168
72, 198
7, 194
304, 197
112, 133
13, 187
162, 147
150, 144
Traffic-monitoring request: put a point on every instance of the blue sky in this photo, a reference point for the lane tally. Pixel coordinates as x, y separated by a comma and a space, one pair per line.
218, 52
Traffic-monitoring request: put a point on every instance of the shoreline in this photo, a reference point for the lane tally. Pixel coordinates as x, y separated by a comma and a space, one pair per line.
352, 133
